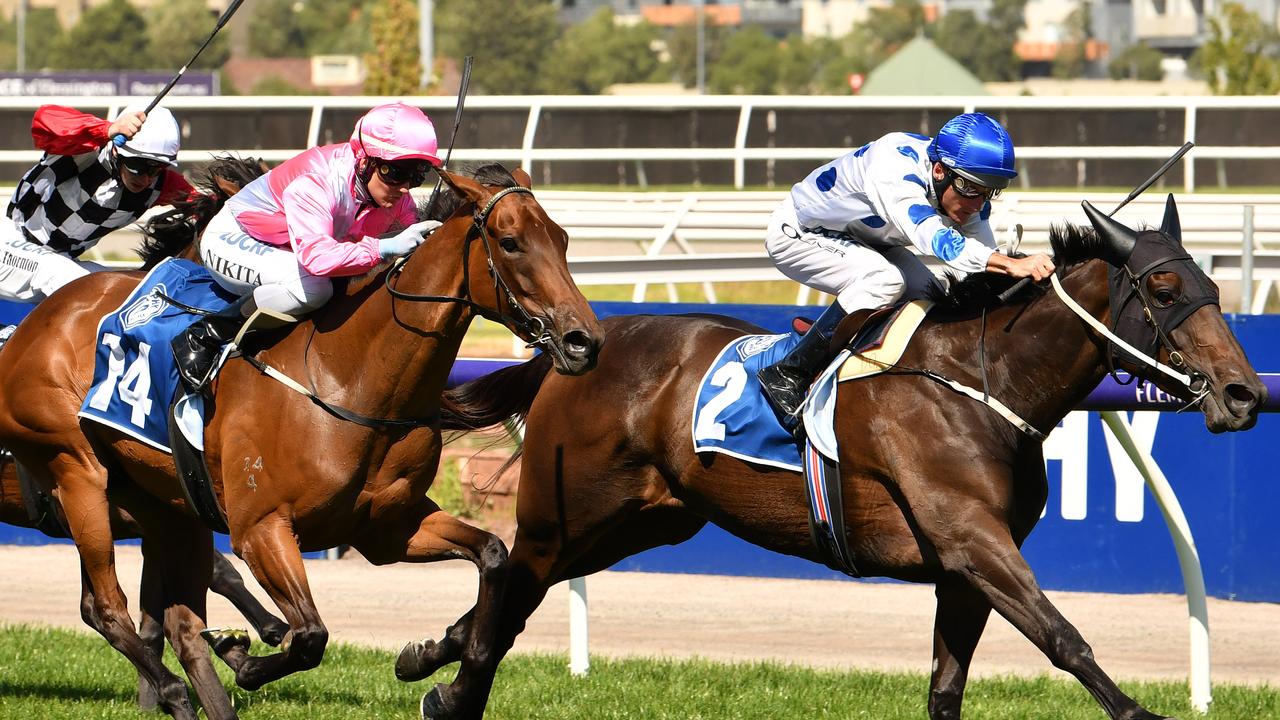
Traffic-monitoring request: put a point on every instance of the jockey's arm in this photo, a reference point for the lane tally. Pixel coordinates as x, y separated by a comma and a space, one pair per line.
309, 208
60, 130
897, 190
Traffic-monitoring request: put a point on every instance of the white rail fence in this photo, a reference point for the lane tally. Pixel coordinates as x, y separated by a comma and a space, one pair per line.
749, 109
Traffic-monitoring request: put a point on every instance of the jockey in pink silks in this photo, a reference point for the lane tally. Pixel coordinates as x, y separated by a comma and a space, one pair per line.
323, 214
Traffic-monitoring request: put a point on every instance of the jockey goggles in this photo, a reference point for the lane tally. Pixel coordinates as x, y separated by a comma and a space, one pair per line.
141, 166
406, 172
970, 189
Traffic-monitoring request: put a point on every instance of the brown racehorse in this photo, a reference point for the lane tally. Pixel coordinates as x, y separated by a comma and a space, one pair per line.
937, 487
225, 580
290, 474
164, 235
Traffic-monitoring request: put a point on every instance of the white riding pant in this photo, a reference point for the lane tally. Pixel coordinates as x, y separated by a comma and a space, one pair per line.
31, 272
242, 264
858, 275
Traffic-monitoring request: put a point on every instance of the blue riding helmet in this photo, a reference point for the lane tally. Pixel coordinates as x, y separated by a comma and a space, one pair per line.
977, 148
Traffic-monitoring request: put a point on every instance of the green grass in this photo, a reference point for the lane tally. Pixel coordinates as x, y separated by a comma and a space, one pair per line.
59, 674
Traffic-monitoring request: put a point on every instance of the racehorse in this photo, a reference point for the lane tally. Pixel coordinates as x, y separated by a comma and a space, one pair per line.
348, 463
937, 487
225, 580
164, 235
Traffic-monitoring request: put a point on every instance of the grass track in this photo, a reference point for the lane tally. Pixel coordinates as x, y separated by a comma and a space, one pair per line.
51, 674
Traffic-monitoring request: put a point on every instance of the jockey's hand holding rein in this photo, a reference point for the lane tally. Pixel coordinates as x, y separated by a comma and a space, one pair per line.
407, 239
128, 124
1037, 267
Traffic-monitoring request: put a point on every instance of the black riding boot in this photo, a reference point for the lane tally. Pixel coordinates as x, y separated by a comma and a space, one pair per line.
787, 381
197, 348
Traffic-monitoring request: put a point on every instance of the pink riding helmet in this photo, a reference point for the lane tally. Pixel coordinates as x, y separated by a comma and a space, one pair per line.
395, 131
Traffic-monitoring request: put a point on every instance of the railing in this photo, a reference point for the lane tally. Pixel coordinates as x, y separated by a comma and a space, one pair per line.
755, 135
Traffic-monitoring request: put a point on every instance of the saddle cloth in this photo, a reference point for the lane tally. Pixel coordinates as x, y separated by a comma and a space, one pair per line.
732, 416
135, 378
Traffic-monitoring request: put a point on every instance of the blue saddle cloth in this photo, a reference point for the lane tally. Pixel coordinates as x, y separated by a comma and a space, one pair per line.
134, 377
731, 414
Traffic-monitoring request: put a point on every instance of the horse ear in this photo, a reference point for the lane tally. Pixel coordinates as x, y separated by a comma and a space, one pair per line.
465, 186
522, 178
1171, 226
1118, 240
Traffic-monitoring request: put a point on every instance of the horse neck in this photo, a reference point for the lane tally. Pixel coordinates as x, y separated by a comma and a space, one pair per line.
391, 357
1042, 360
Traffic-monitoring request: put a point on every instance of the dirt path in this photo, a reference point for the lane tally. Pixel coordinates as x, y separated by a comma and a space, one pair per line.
822, 623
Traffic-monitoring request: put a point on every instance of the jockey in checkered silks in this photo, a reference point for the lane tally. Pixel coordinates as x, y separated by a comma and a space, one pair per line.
83, 188
848, 228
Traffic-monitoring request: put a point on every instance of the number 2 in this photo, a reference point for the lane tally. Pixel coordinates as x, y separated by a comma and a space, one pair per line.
733, 378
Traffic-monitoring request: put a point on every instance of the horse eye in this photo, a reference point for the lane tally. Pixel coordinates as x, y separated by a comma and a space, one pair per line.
1165, 297
508, 244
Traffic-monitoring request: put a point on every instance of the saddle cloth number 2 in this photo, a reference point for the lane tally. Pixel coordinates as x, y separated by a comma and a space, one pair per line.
133, 384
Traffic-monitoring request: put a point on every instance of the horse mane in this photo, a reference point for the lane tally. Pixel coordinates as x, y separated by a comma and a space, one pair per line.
172, 231
1071, 245
449, 201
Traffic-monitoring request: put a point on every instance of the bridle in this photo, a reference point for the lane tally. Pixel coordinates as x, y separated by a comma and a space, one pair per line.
529, 328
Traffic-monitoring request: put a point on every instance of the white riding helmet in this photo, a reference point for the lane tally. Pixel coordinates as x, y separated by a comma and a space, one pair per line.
159, 138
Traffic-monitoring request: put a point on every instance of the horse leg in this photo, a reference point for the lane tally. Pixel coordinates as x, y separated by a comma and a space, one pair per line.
441, 536
185, 558
960, 619
422, 658
227, 582
104, 607
989, 560
150, 627
270, 550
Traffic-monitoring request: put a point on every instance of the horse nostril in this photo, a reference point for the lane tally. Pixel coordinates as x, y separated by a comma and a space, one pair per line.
578, 343
1240, 398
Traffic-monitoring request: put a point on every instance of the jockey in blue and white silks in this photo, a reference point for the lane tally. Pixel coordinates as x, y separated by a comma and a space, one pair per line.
848, 227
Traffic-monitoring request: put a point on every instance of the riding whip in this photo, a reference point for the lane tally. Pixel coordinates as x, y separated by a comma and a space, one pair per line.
119, 140
463, 84
1186, 148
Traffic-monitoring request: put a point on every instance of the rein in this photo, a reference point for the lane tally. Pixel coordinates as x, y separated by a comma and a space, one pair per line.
533, 330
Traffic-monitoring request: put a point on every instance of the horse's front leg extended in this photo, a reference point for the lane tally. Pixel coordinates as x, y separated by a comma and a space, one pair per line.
440, 536
989, 560
958, 624
270, 550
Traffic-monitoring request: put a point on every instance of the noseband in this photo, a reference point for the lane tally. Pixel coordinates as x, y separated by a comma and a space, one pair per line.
1145, 323
532, 329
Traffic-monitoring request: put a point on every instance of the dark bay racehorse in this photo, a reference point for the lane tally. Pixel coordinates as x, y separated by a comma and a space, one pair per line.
289, 473
937, 487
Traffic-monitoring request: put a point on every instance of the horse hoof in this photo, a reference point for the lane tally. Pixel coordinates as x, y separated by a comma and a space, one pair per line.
222, 640
418, 660
433, 707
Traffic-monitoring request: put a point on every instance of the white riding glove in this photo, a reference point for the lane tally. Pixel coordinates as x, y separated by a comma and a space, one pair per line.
407, 239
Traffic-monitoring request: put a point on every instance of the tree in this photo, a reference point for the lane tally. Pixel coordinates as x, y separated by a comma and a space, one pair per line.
682, 45
1139, 61
748, 64
177, 27
341, 27
111, 36
276, 30
1239, 58
1071, 59
984, 50
394, 67
510, 40
598, 53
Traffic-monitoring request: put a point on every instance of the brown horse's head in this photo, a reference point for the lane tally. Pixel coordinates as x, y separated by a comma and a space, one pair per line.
1163, 304
519, 270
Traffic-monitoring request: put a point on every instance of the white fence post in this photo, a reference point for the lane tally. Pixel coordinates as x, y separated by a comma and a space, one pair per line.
1188, 558
579, 658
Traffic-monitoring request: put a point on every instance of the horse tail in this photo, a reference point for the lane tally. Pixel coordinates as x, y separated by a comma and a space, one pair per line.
489, 400
174, 232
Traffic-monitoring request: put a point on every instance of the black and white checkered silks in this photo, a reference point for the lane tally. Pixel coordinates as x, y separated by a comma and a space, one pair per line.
68, 202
